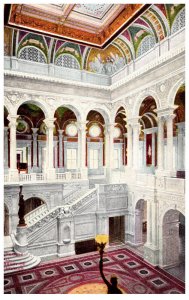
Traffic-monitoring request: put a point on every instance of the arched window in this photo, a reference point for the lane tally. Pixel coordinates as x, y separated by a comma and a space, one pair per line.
32, 54
147, 43
179, 21
67, 61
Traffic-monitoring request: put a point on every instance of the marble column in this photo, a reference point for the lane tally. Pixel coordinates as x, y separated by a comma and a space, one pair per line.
60, 138
35, 167
136, 128
169, 123
50, 170
82, 147
154, 226
6, 149
109, 150
129, 146
153, 147
160, 162
124, 149
180, 146
55, 155
13, 172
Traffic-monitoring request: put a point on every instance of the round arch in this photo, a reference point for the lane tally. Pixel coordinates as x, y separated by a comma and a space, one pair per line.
172, 238
174, 90
103, 111
32, 203
73, 108
140, 222
41, 104
116, 108
141, 98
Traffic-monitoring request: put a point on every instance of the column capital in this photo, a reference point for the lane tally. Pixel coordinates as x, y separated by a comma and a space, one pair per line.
81, 126
108, 128
169, 117
6, 129
150, 130
12, 120
34, 130
133, 121
163, 112
60, 132
49, 122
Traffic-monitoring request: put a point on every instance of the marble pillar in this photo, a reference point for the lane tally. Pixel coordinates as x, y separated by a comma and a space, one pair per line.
129, 146
13, 172
169, 123
82, 147
60, 149
6, 149
109, 150
35, 154
136, 129
50, 170
160, 162
180, 146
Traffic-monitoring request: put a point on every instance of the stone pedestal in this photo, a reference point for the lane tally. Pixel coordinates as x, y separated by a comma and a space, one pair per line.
66, 248
21, 242
151, 254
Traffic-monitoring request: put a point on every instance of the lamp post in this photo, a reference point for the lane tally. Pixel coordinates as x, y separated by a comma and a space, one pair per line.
101, 241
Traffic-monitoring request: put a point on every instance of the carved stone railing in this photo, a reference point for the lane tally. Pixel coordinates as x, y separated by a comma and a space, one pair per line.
66, 211
72, 197
36, 214
167, 184
40, 177
173, 185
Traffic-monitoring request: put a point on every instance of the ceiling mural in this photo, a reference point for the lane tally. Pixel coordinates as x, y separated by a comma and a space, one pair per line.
150, 27
106, 61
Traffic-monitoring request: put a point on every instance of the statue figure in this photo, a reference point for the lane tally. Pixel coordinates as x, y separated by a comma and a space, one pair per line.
112, 285
21, 211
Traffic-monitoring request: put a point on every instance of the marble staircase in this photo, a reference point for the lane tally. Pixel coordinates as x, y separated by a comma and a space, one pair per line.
14, 262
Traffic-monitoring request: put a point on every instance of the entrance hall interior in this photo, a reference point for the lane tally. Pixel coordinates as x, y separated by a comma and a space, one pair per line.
94, 145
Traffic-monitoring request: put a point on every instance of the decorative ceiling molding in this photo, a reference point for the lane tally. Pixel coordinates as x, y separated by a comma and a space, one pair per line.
95, 25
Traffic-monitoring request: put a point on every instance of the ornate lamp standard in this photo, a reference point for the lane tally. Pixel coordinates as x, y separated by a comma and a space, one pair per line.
101, 241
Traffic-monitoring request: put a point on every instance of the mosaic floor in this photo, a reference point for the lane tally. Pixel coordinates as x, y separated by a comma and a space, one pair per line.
80, 275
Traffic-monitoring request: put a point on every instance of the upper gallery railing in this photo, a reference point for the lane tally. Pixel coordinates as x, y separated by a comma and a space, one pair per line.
41, 177
160, 50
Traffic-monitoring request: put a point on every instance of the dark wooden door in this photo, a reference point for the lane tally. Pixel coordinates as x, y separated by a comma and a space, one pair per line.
116, 229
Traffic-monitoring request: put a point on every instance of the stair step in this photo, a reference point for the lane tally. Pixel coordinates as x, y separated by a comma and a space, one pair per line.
19, 267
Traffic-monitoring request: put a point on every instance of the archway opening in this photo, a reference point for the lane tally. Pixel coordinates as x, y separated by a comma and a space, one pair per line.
148, 135
120, 139
30, 138
173, 247
141, 222
179, 132
32, 203
66, 140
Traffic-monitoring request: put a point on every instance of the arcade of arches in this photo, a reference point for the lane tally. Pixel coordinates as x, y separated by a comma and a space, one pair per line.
97, 153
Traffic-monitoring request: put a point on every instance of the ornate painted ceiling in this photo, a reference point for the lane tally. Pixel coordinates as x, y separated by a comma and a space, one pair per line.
92, 24
157, 23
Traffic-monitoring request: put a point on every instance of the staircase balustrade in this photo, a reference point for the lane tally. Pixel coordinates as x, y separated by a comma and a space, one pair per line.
65, 210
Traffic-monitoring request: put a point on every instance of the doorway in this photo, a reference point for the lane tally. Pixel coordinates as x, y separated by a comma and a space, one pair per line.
117, 230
